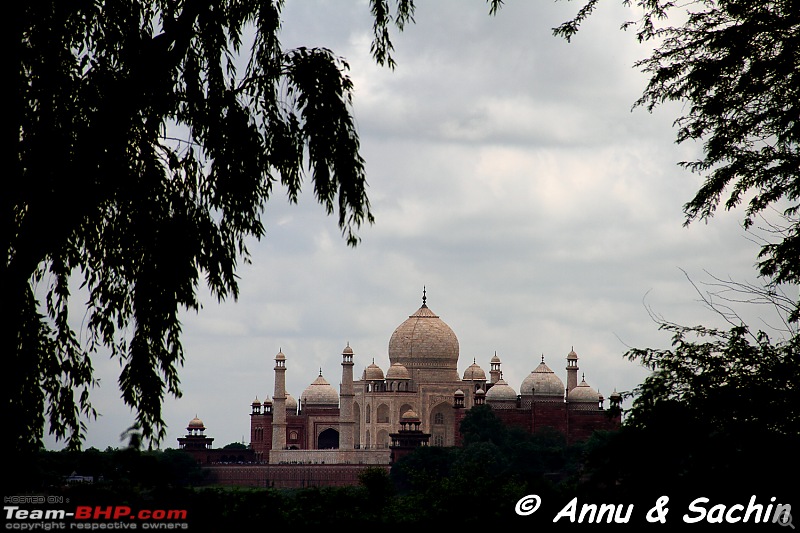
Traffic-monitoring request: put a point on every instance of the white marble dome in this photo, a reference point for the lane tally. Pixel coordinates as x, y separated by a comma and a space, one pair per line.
373, 373
501, 391
320, 392
542, 382
397, 371
474, 372
583, 393
426, 346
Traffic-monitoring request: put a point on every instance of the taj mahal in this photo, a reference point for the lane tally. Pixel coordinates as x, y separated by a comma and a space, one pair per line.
419, 395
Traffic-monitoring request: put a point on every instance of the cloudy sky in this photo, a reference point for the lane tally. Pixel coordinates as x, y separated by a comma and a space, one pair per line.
508, 175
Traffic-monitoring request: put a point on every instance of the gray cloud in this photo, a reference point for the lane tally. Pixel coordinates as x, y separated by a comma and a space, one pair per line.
509, 176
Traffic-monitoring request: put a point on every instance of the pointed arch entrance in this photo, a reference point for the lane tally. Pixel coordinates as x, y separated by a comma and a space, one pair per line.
328, 439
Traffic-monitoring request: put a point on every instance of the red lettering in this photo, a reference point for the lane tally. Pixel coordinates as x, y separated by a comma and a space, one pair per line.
121, 510
99, 512
83, 512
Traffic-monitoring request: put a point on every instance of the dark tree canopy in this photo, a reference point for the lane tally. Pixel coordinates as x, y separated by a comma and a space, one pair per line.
736, 381
735, 64
149, 137
720, 412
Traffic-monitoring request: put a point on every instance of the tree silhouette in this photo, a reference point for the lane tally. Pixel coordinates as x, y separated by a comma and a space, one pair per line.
734, 64
149, 136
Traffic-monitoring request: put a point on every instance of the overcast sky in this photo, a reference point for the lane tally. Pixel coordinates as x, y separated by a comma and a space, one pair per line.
508, 175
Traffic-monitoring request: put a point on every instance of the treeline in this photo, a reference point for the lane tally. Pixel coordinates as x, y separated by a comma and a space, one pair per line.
478, 484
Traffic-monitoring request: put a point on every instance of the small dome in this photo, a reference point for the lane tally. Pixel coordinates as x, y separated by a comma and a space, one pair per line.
410, 415
501, 391
572, 355
291, 403
474, 373
373, 373
495, 359
256, 402
196, 423
347, 350
459, 393
615, 395
319, 392
397, 371
267, 400
542, 382
583, 393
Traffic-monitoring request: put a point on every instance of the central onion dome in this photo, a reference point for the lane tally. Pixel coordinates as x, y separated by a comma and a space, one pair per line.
320, 393
426, 346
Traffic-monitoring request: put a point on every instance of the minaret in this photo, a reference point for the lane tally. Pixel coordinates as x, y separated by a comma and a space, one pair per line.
346, 401
279, 404
572, 370
494, 369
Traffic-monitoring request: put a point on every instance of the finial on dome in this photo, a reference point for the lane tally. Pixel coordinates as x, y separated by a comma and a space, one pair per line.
474, 361
424, 297
542, 358
320, 371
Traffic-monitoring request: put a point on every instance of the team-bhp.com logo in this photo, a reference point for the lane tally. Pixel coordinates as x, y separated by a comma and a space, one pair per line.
116, 512
94, 517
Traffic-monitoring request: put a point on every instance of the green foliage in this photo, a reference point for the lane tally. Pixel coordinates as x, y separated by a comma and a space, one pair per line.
720, 411
478, 483
146, 153
379, 489
123, 468
481, 425
422, 467
733, 380
471, 486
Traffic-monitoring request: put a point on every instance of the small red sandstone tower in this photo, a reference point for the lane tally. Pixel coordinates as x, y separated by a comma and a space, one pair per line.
408, 438
195, 439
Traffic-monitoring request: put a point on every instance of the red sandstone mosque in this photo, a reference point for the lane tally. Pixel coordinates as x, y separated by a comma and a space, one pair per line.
419, 400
